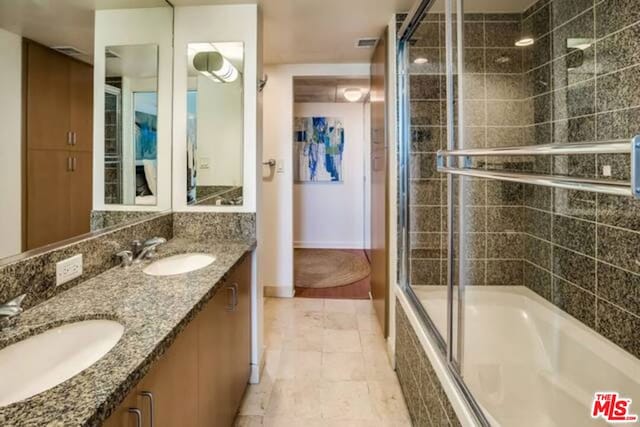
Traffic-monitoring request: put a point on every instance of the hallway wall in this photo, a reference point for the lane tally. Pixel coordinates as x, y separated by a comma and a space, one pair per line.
331, 215
276, 200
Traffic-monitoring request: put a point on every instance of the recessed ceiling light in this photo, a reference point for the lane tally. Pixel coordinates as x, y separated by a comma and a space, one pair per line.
525, 41
353, 94
502, 59
420, 61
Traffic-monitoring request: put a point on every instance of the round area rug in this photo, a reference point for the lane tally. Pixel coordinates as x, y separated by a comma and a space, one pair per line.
326, 268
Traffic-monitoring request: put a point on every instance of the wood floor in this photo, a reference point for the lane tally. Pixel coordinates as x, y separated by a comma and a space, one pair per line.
357, 290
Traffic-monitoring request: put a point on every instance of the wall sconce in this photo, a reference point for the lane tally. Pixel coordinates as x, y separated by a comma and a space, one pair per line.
215, 66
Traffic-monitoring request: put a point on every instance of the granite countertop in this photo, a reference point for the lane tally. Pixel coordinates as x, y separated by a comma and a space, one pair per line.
153, 311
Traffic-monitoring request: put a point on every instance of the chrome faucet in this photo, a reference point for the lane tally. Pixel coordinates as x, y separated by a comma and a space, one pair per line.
148, 249
12, 308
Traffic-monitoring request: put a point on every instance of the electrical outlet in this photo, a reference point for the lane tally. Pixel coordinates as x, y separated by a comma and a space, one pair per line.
204, 163
68, 269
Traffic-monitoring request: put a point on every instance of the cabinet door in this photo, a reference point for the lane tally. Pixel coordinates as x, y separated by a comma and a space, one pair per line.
81, 105
121, 417
47, 100
47, 197
241, 336
81, 183
215, 359
172, 383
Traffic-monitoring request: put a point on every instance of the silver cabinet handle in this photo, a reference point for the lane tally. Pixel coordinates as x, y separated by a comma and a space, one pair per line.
69, 138
152, 410
74, 138
138, 415
234, 297
69, 164
74, 164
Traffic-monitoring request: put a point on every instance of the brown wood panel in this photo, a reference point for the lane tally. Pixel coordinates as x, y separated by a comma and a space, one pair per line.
81, 105
48, 197
241, 335
121, 417
214, 360
379, 192
173, 382
48, 97
357, 290
80, 187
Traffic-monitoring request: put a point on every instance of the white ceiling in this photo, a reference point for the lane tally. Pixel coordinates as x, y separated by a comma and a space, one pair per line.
295, 31
61, 22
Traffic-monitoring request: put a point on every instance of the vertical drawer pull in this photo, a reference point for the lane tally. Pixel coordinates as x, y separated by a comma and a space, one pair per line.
74, 138
235, 295
138, 415
152, 410
69, 138
74, 163
69, 164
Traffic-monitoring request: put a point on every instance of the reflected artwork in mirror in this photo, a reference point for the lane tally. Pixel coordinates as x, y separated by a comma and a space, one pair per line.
131, 125
215, 145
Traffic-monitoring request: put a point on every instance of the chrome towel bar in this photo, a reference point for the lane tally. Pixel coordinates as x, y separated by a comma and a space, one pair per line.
603, 186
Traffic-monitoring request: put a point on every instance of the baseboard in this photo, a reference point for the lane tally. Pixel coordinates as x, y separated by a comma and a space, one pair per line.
328, 245
278, 291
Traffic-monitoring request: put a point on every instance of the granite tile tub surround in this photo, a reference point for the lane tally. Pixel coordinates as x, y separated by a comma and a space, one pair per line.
426, 400
105, 219
153, 311
35, 274
215, 225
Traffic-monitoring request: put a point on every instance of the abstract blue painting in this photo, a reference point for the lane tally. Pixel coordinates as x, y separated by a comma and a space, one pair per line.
318, 149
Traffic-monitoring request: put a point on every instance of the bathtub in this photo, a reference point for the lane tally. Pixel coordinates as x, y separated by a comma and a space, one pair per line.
528, 363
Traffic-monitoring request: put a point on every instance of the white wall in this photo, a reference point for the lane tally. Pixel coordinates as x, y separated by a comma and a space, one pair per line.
225, 23
10, 143
276, 232
331, 215
134, 27
220, 132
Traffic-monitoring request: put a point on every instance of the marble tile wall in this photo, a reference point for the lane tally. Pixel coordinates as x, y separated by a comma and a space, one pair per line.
580, 248
426, 400
35, 275
495, 114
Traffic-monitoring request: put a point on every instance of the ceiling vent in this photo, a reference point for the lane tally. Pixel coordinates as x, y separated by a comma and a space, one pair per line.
69, 50
110, 54
367, 43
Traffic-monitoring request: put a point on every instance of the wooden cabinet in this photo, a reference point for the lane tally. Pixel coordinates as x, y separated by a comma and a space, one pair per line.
58, 123
201, 378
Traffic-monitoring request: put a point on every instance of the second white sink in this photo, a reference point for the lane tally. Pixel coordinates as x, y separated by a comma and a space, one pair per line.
179, 264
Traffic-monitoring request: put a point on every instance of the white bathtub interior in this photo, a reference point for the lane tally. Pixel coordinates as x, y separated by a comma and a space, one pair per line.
527, 362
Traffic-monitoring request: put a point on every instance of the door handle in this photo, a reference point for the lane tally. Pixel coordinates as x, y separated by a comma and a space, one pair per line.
152, 410
138, 415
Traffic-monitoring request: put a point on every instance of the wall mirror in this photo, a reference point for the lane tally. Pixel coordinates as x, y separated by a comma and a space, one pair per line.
48, 65
131, 125
215, 141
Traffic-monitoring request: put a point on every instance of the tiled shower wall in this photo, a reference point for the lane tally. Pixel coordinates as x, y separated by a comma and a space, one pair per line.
578, 250
581, 249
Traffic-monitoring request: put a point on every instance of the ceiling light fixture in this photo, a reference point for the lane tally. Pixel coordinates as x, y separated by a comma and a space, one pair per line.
353, 94
215, 66
525, 41
420, 61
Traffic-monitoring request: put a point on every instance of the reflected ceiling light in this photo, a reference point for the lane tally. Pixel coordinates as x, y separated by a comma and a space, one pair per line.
353, 94
420, 61
582, 44
503, 60
525, 41
215, 66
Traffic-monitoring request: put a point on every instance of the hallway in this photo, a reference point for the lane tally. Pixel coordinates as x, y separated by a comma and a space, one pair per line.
326, 365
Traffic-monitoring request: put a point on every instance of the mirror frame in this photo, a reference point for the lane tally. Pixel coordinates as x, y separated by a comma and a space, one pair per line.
207, 24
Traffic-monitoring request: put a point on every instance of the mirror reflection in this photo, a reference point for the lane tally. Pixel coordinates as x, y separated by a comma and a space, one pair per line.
131, 125
47, 150
215, 123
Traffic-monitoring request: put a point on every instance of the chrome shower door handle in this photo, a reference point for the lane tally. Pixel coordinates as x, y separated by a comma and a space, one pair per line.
138, 415
152, 409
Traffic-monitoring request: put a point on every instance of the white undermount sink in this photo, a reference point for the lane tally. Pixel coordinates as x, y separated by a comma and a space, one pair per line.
179, 264
43, 361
